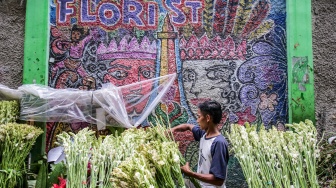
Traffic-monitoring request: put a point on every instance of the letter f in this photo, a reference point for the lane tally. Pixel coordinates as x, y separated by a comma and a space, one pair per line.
64, 10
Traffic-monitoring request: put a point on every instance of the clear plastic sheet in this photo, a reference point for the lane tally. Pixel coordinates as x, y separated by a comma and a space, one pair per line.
45, 104
126, 106
9, 94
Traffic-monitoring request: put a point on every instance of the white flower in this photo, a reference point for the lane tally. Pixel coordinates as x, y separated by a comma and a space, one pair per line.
123, 184
244, 136
30, 136
294, 155
137, 175
176, 158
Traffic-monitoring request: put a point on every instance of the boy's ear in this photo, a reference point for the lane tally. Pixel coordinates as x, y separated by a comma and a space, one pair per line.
208, 118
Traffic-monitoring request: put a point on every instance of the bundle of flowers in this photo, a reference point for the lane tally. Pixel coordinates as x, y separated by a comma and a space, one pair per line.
16, 141
135, 158
272, 158
77, 148
159, 152
9, 111
135, 171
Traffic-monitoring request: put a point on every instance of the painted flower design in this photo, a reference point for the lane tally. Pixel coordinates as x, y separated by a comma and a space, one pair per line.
266, 70
273, 73
268, 102
246, 116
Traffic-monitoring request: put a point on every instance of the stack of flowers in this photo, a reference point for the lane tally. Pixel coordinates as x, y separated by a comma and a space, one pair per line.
77, 148
135, 171
16, 141
272, 158
135, 158
159, 153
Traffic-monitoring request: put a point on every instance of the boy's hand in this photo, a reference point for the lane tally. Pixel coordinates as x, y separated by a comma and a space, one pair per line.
186, 168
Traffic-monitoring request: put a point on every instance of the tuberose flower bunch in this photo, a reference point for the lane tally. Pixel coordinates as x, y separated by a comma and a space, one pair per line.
135, 158
77, 148
16, 141
273, 158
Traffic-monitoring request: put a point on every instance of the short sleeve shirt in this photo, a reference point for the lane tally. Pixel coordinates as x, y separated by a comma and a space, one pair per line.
213, 156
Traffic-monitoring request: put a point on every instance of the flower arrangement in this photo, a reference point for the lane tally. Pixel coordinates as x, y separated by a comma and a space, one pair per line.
143, 157
155, 151
78, 149
16, 141
273, 158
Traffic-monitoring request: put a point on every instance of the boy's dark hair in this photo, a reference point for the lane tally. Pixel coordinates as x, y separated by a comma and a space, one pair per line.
213, 108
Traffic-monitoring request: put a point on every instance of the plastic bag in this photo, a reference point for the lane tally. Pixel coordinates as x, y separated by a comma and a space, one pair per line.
9, 94
128, 105
45, 104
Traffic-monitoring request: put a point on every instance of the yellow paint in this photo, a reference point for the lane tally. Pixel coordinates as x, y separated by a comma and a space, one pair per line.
164, 57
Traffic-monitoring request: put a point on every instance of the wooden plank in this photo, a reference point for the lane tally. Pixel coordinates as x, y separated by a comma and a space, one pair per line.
36, 54
300, 61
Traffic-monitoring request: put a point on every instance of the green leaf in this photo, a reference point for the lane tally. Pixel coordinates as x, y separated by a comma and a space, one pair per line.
58, 170
41, 181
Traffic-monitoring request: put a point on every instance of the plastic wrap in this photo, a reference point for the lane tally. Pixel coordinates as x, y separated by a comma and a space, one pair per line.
45, 104
128, 105
141, 98
110, 99
9, 94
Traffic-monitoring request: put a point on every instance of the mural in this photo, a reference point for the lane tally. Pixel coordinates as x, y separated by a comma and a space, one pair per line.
232, 51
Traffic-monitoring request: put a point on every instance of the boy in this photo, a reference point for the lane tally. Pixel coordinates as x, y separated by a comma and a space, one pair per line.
213, 150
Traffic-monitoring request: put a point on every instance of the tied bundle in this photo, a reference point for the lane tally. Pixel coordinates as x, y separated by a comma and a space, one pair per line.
134, 158
155, 161
16, 141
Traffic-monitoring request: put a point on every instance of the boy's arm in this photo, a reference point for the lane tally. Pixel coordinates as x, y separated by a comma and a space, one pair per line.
208, 178
182, 128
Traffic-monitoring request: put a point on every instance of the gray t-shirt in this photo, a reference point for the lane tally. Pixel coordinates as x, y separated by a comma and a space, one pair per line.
213, 156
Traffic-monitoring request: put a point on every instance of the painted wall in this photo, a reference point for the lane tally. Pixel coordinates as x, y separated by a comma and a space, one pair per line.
12, 17
227, 51
230, 51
